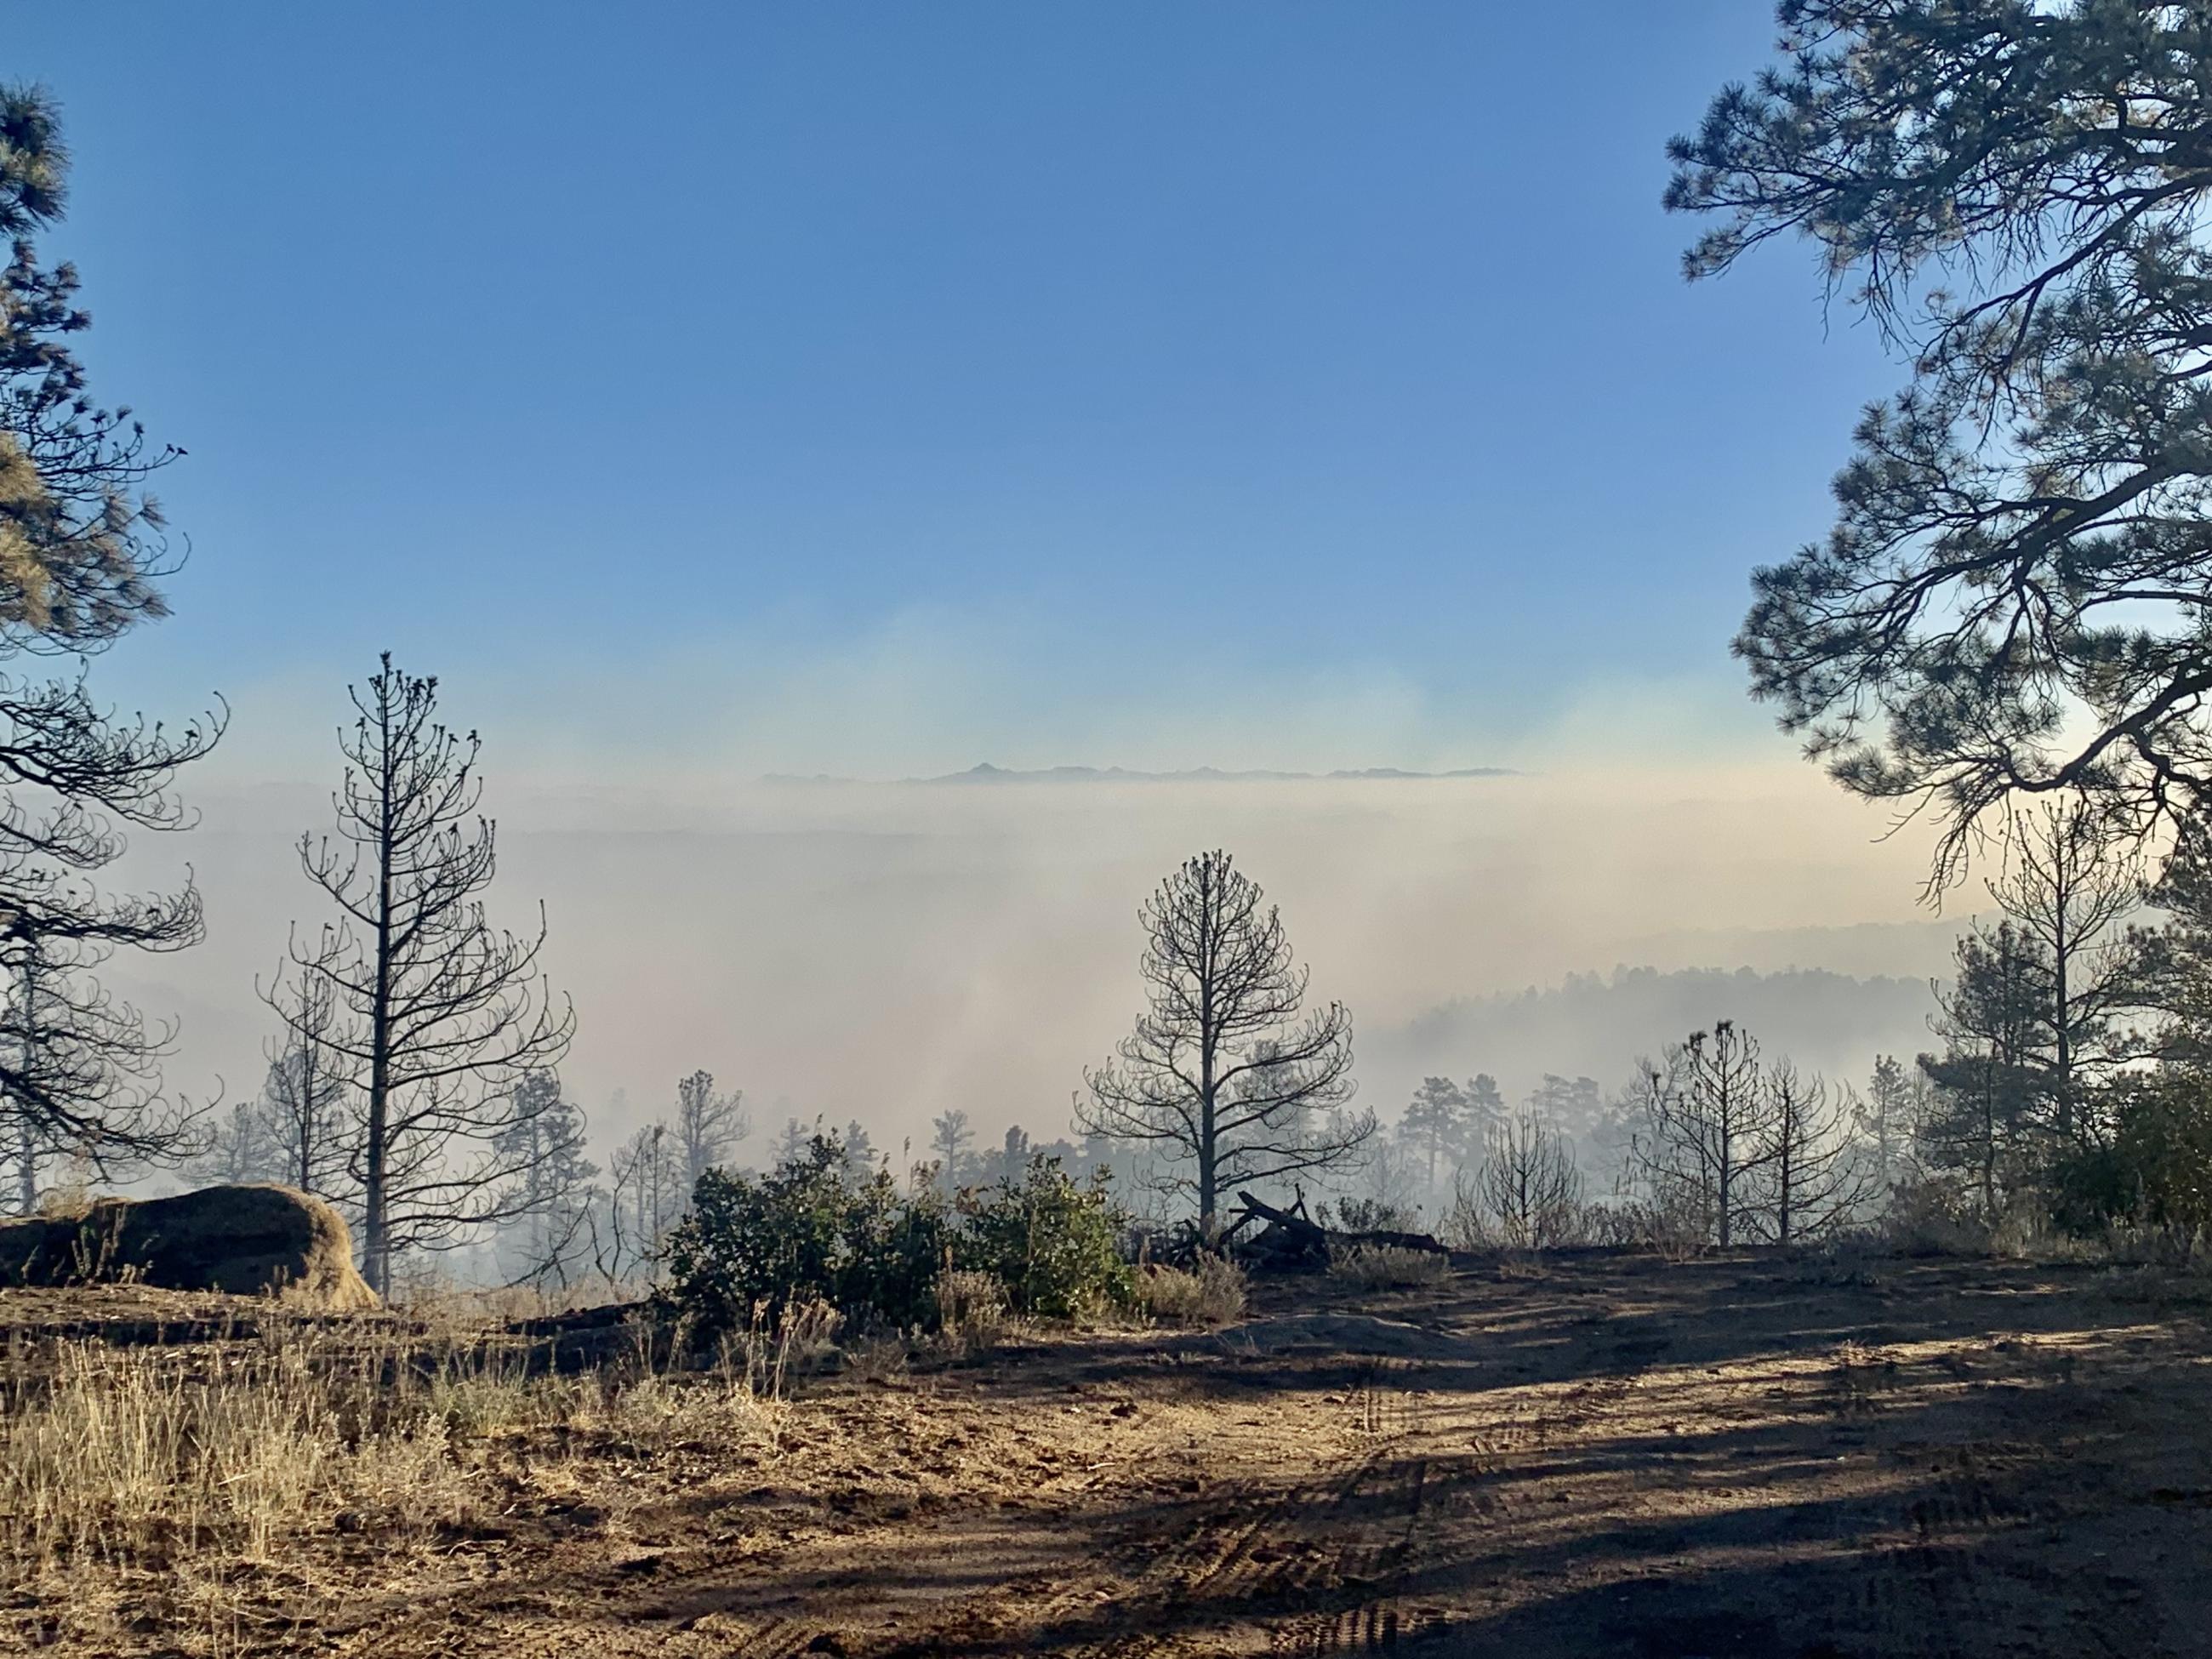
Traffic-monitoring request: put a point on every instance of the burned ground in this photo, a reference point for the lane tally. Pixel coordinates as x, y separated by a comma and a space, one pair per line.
1600, 1456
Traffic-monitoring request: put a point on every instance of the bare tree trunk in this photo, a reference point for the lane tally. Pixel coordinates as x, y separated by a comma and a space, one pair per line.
376, 1230
27, 1169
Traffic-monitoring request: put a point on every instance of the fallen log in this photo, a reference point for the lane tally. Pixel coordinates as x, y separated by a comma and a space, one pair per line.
1292, 1242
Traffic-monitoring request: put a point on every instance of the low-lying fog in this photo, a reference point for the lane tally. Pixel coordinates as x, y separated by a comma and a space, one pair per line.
883, 951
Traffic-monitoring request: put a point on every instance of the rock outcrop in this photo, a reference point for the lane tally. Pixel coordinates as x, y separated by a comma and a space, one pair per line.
248, 1240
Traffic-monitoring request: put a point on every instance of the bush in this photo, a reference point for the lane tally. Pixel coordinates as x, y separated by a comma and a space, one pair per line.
1676, 1230
754, 1247
1386, 1267
2155, 1171
1367, 1215
1053, 1242
1928, 1216
1213, 1293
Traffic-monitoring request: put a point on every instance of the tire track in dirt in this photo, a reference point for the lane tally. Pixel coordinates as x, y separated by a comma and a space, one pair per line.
1340, 1540
1226, 1564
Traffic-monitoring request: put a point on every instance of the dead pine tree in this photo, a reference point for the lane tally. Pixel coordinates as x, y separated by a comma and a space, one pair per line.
446, 1014
1226, 1077
1816, 1177
1700, 1146
1528, 1187
306, 1090
708, 1125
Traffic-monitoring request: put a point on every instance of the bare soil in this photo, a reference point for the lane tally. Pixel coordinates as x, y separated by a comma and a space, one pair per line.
1602, 1455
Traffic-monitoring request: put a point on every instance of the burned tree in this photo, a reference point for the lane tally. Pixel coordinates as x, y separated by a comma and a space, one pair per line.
307, 1089
1700, 1145
1814, 1178
82, 550
238, 1149
446, 1014
1529, 1190
708, 1125
647, 1196
1225, 1079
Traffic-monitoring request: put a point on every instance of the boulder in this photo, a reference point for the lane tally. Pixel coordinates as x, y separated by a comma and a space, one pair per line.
248, 1240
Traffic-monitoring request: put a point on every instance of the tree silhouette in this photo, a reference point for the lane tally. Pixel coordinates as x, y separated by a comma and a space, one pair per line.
548, 1214
1889, 1118
1989, 1085
306, 1092
1701, 1144
2070, 889
1225, 1077
1815, 1179
950, 1139
1439, 1127
708, 1125
447, 1014
1528, 1187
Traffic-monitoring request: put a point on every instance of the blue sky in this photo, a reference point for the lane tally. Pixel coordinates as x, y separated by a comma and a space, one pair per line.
885, 388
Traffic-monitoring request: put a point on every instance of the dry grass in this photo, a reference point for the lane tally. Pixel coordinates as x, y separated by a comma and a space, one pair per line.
154, 1476
973, 1316
118, 1454
1212, 1295
1386, 1267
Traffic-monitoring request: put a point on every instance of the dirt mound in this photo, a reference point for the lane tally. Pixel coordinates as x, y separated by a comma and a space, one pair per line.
1344, 1332
247, 1240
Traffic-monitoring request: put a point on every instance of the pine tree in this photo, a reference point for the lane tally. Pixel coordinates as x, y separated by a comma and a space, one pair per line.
445, 1015
82, 552
1226, 1078
1435, 1128
794, 1142
708, 1125
1014, 1154
860, 1150
1990, 1084
2010, 602
545, 1214
1889, 1118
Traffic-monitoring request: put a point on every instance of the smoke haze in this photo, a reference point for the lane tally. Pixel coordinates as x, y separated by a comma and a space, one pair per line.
886, 952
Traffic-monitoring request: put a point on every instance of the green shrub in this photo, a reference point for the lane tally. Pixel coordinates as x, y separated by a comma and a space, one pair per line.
2156, 1167
753, 1246
1053, 1242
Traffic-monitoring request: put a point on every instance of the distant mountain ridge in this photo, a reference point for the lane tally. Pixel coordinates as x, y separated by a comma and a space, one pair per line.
987, 773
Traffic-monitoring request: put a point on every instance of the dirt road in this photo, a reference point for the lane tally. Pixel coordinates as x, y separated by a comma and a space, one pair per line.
1604, 1456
